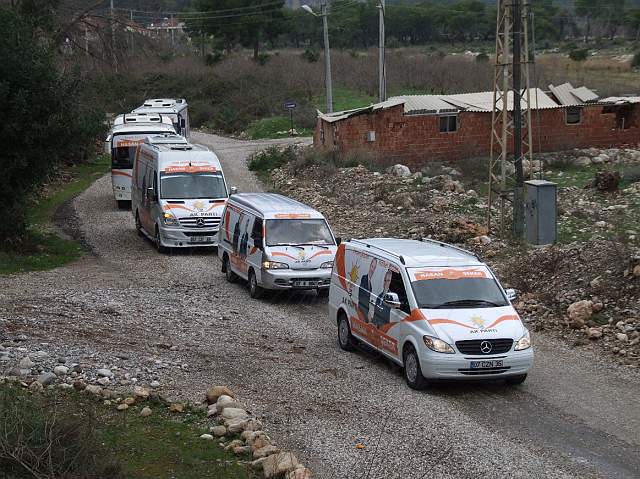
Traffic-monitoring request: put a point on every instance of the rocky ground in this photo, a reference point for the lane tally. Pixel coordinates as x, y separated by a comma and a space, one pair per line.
595, 264
125, 316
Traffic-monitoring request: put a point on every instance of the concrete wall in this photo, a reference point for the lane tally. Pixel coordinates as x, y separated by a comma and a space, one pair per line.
416, 139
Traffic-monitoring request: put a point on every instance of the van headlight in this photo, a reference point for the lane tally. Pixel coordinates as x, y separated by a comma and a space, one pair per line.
169, 219
437, 345
524, 342
274, 265
327, 264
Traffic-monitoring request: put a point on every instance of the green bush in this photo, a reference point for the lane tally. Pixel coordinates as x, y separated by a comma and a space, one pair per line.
262, 58
579, 54
46, 120
41, 436
271, 158
635, 62
213, 57
311, 56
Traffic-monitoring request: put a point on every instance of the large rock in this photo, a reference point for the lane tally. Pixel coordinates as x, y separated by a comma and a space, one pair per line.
140, 392
46, 378
400, 170
225, 401
219, 431
277, 465
26, 363
265, 451
216, 391
579, 313
594, 333
300, 472
233, 412
582, 161
236, 425
104, 372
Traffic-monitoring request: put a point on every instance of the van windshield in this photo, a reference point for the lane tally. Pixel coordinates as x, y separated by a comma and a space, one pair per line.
452, 288
298, 232
124, 147
191, 186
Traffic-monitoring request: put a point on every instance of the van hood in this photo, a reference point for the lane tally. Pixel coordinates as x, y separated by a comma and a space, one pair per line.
453, 325
193, 208
301, 257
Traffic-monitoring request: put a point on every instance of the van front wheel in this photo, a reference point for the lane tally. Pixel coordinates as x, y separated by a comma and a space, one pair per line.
161, 249
412, 371
346, 341
255, 291
226, 269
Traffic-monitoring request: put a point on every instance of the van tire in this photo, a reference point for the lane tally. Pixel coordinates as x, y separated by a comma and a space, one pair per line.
226, 269
515, 380
124, 204
139, 226
412, 371
346, 341
161, 249
255, 291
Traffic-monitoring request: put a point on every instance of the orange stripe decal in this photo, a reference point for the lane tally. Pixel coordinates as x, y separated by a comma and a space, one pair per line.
324, 251
120, 173
502, 319
277, 253
449, 321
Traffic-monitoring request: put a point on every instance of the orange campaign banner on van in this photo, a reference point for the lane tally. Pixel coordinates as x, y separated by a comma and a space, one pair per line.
450, 274
126, 142
190, 169
292, 216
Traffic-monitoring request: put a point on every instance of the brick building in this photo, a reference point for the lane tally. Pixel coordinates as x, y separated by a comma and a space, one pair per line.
415, 129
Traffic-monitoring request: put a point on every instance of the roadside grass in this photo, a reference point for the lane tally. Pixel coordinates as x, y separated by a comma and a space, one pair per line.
43, 249
275, 127
86, 437
345, 99
264, 162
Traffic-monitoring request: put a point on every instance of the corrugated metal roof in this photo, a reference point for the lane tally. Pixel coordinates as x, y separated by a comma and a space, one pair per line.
584, 94
566, 94
620, 100
426, 104
341, 115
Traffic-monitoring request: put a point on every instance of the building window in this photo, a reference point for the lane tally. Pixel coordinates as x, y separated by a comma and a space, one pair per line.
448, 124
573, 115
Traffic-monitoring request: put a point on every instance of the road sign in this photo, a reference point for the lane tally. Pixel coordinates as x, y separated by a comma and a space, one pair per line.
289, 105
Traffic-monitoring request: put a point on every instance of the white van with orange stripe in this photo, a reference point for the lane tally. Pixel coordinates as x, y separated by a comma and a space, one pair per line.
433, 308
178, 193
275, 243
123, 141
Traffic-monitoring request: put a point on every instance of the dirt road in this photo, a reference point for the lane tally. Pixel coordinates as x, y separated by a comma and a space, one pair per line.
174, 318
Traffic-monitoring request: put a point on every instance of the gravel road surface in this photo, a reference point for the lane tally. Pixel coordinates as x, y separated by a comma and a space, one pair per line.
175, 318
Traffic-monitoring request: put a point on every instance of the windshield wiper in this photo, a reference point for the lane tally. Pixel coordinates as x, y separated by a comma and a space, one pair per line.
287, 244
466, 302
315, 244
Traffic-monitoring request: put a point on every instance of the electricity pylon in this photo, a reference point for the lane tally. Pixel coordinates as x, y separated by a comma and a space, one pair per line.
511, 91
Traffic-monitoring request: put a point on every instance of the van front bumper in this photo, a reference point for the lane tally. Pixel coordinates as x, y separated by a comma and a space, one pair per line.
188, 238
319, 278
458, 366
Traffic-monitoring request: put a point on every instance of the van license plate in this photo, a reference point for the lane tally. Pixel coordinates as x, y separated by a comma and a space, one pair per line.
304, 284
201, 239
486, 364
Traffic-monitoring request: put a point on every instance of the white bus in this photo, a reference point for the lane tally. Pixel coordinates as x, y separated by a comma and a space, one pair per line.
175, 109
123, 141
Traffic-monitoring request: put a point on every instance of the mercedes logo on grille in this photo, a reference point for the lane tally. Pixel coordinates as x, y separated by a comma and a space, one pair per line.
485, 347
200, 222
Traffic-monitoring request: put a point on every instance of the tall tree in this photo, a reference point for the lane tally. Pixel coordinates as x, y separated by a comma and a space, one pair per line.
248, 22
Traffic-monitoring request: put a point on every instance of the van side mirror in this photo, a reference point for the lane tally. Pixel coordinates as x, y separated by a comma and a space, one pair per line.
183, 123
151, 194
233, 190
511, 294
338, 240
392, 300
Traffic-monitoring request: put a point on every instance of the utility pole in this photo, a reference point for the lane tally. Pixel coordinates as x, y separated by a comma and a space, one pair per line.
327, 57
510, 89
132, 30
382, 80
113, 37
173, 37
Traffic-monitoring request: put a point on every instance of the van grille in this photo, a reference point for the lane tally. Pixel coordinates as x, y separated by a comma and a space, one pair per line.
473, 346
478, 372
192, 222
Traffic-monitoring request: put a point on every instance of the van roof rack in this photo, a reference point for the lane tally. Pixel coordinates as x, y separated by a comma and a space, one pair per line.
447, 245
399, 256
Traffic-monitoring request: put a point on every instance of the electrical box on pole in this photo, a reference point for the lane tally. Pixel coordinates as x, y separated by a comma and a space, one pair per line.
541, 212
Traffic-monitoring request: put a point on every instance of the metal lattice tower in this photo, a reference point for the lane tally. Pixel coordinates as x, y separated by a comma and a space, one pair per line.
510, 84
